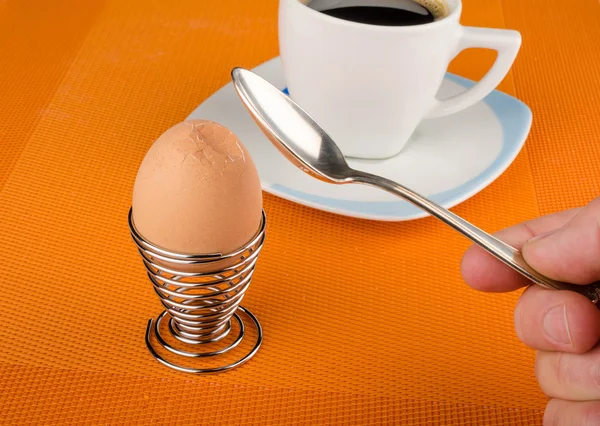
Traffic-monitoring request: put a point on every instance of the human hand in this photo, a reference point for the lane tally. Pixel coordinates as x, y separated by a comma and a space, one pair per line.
563, 326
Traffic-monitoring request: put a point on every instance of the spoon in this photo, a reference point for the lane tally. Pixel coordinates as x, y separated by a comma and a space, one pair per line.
303, 142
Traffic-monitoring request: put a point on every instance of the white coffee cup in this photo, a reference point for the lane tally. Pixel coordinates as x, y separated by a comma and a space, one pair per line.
370, 86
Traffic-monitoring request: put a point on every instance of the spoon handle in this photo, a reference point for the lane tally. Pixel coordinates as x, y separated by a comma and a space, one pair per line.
504, 252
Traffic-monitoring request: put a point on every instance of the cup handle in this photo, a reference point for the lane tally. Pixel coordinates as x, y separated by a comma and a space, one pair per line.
505, 42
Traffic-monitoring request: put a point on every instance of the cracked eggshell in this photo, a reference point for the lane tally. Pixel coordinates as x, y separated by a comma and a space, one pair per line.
197, 191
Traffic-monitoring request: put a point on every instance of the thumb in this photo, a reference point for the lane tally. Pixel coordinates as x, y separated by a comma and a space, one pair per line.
570, 253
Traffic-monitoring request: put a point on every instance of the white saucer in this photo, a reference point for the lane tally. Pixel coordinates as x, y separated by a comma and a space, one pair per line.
448, 159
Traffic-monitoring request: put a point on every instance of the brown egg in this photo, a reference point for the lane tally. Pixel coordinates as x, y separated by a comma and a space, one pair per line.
197, 191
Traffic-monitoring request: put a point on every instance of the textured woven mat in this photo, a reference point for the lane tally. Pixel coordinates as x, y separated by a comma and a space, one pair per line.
394, 336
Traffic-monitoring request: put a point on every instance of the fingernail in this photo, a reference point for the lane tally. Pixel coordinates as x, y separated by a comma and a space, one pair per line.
540, 237
556, 325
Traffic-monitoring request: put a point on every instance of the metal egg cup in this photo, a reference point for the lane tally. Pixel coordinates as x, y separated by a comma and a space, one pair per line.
201, 295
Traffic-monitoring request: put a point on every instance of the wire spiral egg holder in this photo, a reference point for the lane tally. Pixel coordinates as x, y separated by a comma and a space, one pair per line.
202, 295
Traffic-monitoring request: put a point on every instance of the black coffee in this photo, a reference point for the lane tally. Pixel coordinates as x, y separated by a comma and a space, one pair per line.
381, 15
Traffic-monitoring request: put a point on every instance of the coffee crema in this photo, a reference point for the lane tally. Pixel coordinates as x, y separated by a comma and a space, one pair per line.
438, 8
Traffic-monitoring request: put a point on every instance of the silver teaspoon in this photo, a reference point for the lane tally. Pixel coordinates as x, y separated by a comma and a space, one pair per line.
303, 142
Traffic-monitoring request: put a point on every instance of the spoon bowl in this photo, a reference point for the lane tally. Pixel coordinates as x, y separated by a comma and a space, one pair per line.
292, 130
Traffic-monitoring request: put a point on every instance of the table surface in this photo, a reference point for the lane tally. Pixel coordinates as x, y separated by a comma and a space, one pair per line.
364, 321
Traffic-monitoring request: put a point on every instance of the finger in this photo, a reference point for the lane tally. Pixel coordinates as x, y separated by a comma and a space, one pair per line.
482, 271
557, 320
575, 377
568, 413
572, 252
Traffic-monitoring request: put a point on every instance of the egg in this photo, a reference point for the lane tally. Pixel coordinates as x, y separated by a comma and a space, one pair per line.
197, 191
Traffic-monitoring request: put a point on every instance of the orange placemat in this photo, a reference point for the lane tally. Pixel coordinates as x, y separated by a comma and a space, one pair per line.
364, 321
